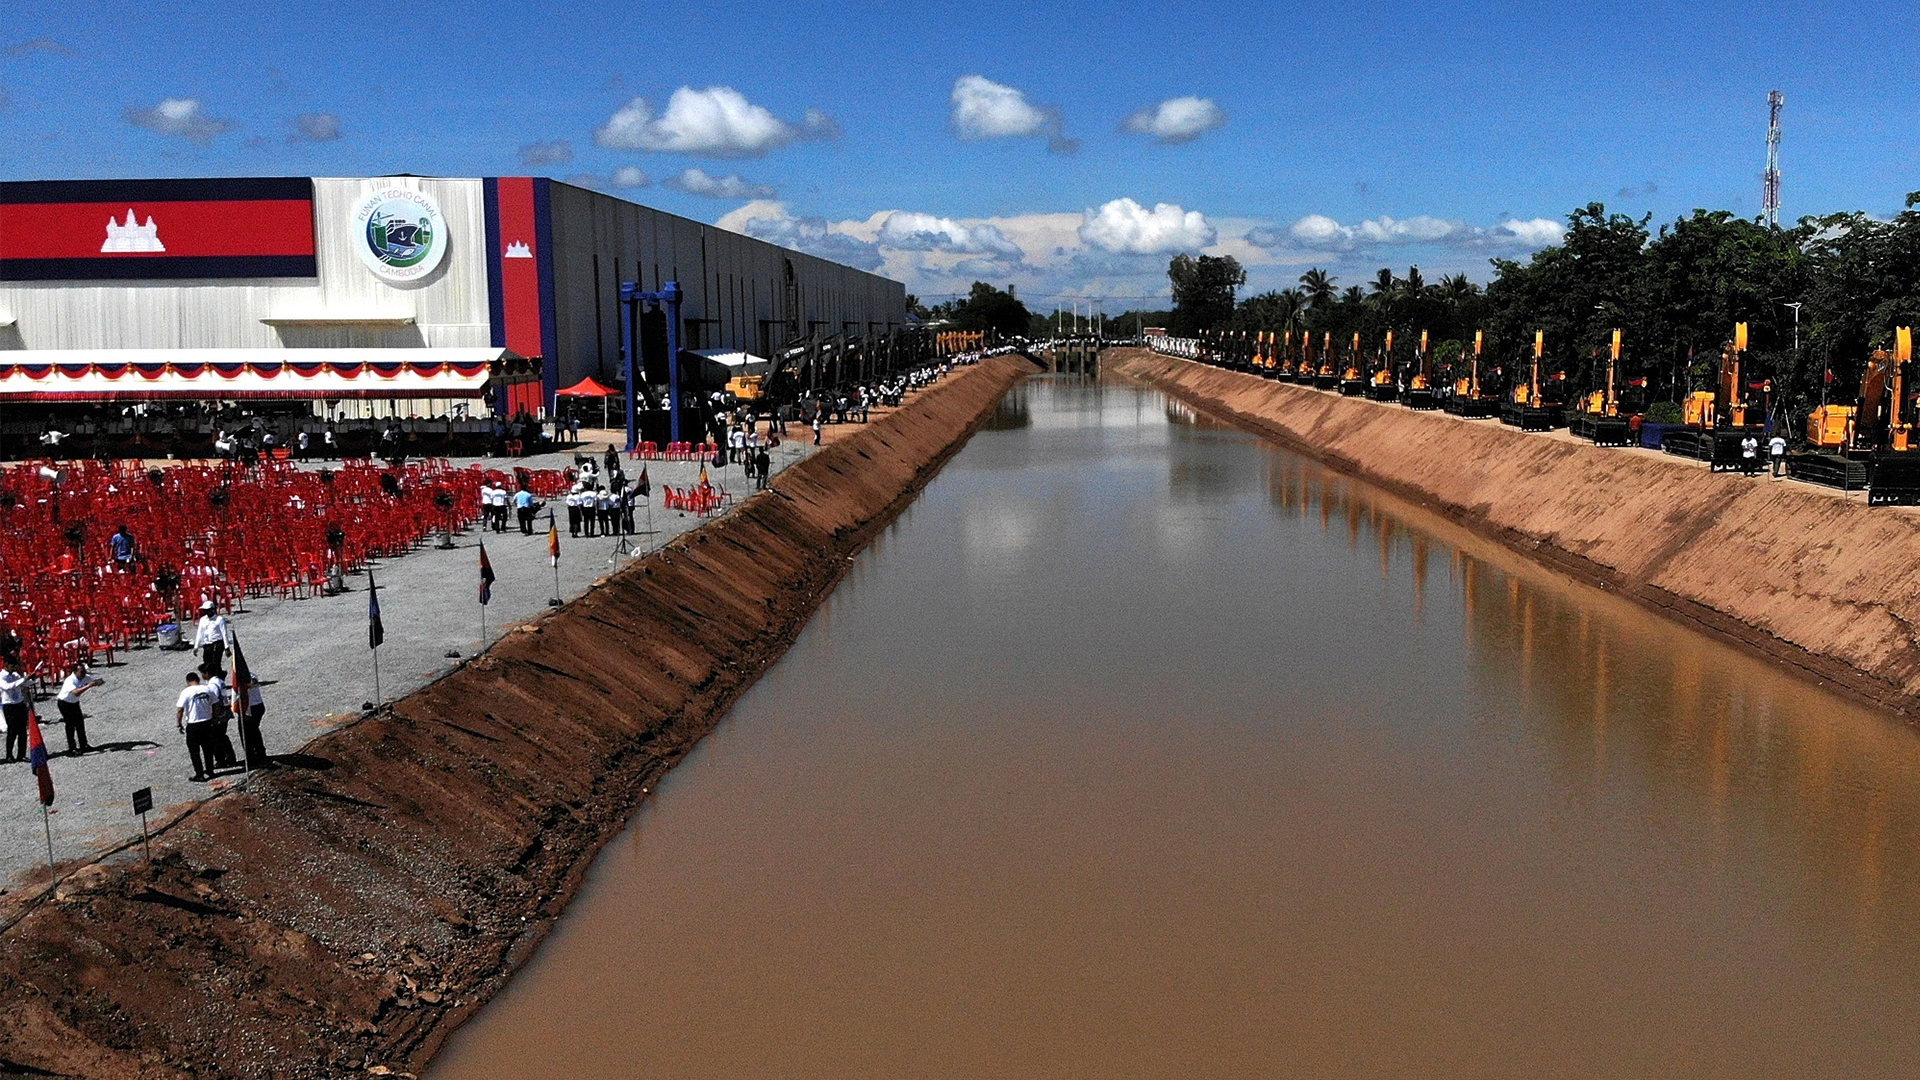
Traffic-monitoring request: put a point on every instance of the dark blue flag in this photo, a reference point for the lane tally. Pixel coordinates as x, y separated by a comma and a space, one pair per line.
376, 633
486, 577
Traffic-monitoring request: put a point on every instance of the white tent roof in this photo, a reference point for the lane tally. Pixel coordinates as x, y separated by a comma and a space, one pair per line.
741, 363
234, 374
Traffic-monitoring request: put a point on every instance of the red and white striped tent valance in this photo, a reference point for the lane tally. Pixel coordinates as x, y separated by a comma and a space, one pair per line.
87, 375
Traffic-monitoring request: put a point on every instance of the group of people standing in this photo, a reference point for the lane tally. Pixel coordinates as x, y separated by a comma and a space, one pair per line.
601, 502
497, 500
16, 703
203, 711
211, 701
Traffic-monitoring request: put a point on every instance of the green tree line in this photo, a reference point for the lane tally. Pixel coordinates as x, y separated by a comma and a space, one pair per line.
1676, 292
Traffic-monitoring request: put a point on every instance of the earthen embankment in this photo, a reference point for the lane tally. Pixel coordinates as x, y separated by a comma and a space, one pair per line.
1821, 583
341, 916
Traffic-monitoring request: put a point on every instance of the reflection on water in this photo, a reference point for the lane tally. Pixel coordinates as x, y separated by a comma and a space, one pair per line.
1138, 748
1622, 699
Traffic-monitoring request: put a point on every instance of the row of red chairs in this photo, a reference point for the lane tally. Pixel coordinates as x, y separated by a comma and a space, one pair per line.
702, 500
215, 532
676, 451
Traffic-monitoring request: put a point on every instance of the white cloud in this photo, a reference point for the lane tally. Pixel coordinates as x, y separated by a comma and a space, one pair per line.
38, 45
984, 109
630, 176
555, 152
1532, 233
907, 231
765, 219
1124, 227
315, 127
178, 116
1177, 120
1319, 232
697, 182
715, 122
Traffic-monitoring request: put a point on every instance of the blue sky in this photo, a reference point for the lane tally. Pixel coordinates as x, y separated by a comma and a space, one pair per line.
945, 141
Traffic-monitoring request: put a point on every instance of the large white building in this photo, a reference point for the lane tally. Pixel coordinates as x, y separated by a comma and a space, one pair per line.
375, 288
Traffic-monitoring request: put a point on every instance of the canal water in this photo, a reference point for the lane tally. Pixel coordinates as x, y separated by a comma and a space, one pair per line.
1140, 748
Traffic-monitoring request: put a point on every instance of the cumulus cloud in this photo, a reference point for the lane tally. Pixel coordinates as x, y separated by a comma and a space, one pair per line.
624, 177
984, 109
1177, 120
907, 231
767, 220
315, 127
37, 45
178, 116
1124, 227
697, 182
715, 122
1318, 232
553, 152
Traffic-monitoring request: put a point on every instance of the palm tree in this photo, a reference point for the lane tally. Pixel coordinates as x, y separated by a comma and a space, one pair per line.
1318, 287
1455, 289
1292, 308
1413, 285
1383, 283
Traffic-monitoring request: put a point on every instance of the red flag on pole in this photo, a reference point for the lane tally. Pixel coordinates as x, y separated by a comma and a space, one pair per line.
553, 541
486, 577
37, 758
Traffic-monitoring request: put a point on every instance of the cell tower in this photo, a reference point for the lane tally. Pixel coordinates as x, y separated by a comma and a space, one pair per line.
1770, 196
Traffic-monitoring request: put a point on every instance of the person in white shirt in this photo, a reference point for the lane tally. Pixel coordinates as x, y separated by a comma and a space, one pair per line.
500, 500
250, 706
77, 682
223, 701
211, 637
193, 716
1777, 449
14, 702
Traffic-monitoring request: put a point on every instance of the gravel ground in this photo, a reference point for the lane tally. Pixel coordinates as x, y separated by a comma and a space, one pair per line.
312, 655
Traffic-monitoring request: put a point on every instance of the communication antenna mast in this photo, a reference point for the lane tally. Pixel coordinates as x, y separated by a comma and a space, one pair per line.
1770, 197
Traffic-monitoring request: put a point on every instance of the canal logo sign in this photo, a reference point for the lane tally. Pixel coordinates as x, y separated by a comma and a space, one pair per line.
401, 235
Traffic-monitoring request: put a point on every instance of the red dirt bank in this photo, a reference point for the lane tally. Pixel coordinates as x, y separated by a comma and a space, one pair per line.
342, 919
1824, 585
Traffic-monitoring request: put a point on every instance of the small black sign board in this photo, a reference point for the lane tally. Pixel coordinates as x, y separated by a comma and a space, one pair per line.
143, 802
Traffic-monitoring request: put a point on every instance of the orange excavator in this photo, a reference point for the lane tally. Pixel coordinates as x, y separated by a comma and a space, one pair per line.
1893, 473
1721, 423
1380, 385
1599, 416
1419, 391
1530, 407
1467, 399
1352, 382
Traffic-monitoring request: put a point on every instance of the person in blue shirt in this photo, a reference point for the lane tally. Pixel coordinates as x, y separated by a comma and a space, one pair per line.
124, 549
523, 505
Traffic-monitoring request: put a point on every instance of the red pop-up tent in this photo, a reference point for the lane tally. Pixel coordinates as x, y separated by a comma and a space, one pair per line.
588, 387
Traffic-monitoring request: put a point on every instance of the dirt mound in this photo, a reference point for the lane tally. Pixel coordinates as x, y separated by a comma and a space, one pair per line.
342, 917
1818, 582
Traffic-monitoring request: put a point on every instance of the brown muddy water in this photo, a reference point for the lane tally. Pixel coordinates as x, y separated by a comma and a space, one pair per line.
1140, 748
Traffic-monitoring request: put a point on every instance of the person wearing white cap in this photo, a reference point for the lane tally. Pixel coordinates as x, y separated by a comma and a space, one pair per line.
212, 637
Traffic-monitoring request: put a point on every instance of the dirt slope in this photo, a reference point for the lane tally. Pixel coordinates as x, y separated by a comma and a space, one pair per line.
341, 918
1818, 582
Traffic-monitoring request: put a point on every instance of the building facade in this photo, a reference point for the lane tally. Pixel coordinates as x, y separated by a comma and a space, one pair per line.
244, 269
